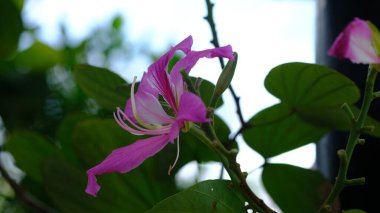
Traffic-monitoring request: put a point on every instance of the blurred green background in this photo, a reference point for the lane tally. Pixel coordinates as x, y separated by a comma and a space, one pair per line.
56, 131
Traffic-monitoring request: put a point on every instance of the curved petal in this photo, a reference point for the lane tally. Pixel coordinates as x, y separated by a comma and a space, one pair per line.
174, 130
191, 108
188, 62
162, 62
125, 159
355, 43
148, 109
157, 75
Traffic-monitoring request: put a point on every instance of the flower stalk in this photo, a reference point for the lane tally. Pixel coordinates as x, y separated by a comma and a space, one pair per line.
238, 178
29, 200
354, 139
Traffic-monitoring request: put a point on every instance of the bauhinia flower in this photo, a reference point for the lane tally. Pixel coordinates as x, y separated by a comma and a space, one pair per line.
161, 107
359, 42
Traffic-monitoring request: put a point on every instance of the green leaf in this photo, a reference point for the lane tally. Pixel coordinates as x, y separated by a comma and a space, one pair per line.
38, 57
208, 196
334, 117
94, 139
224, 80
106, 87
65, 134
117, 22
305, 85
30, 149
205, 92
278, 129
294, 189
65, 186
23, 97
311, 96
353, 211
10, 27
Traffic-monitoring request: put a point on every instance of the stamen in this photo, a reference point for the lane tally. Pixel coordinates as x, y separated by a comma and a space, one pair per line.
134, 109
120, 117
171, 167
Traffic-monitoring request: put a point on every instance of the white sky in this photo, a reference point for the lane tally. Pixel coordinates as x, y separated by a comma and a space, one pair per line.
265, 33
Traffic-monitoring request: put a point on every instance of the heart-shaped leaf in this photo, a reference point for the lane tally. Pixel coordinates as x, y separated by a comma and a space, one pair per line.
208, 196
311, 96
106, 87
94, 139
303, 85
278, 129
294, 189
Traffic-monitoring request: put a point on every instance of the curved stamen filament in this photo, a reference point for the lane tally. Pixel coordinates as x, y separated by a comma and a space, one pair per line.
171, 167
120, 117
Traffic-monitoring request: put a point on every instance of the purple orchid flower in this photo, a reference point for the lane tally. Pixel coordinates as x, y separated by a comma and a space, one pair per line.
145, 115
358, 43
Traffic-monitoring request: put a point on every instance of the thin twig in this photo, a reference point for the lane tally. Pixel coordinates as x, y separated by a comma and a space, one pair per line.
231, 141
23, 195
228, 157
215, 42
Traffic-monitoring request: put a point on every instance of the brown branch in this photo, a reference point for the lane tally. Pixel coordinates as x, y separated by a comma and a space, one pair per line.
231, 141
23, 195
215, 42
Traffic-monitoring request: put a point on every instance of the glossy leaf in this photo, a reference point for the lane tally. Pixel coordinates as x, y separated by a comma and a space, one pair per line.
208, 196
205, 91
106, 87
30, 149
94, 139
334, 117
65, 133
10, 27
302, 85
294, 189
38, 57
311, 96
64, 184
278, 129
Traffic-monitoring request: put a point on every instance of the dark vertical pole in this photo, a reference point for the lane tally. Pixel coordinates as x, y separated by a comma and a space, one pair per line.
333, 16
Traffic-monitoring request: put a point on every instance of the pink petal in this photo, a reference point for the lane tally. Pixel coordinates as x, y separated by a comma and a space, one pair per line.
355, 43
157, 75
148, 109
125, 159
191, 108
188, 62
174, 130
